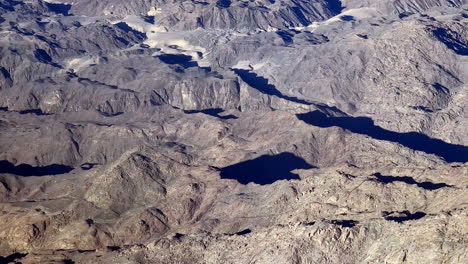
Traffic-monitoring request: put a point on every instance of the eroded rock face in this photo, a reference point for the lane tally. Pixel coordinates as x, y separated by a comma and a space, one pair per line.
216, 14
402, 6
233, 131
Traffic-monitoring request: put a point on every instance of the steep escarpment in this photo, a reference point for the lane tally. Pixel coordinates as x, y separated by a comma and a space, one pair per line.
217, 14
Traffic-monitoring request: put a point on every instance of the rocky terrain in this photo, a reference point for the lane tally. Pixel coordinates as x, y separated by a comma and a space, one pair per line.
233, 131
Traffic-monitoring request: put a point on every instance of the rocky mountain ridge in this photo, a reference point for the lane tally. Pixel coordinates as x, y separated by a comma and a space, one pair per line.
292, 131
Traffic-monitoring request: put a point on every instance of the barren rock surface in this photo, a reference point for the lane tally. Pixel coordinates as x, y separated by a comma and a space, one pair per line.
219, 131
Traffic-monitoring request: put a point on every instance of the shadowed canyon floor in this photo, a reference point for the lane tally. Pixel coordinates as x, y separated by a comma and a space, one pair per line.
28, 170
413, 140
265, 169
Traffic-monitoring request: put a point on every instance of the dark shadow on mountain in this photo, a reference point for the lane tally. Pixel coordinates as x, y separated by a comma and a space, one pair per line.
405, 14
212, 112
109, 114
200, 3
345, 223
63, 9
125, 27
286, 36
302, 18
401, 217
240, 233
223, 3
422, 108
34, 112
9, 6
347, 18
25, 112
179, 59
430, 186
244, 232
335, 6
324, 108
28, 170
266, 169
122, 40
113, 248
311, 38
149, 19
6, 7
451, 40
13, 258
412, 140
262, 85
440, 88
363, 36
44, 39
87, 81
42, 56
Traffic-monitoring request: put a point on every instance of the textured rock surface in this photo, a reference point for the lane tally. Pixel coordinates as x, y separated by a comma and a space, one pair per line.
293, 131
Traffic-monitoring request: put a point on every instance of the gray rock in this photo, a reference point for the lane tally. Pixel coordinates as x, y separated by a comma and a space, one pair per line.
233, 131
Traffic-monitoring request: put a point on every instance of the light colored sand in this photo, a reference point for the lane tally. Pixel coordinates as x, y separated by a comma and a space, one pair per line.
168, 42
